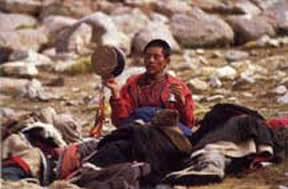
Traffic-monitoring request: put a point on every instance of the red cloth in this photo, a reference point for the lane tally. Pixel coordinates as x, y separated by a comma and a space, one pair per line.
278, 122
96, 131
70, 161
18, 161
133, 96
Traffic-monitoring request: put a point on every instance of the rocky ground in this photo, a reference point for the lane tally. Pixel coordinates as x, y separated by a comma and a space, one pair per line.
264, 89
226, 51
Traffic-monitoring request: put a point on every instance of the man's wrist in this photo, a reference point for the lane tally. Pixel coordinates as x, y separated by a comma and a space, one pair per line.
115, 94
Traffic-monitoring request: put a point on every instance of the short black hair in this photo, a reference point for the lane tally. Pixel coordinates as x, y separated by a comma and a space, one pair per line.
159, 43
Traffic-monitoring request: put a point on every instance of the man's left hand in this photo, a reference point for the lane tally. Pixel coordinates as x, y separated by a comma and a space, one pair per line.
176, 89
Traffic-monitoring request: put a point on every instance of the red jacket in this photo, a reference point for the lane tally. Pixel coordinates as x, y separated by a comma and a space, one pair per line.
157, 94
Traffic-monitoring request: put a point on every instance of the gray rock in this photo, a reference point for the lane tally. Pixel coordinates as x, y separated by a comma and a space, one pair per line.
225, 72
131, 22
210, 6
283, 99
247, 7
104, 32
198, 85
35, 58
284, 81
279, 13
280, 90
21, 6
55, 24
23, 87
13, 87
10, 22
5, 53
215, 82
34, 89
213, 31
265, 4
6, 112
155, 17
23, 39
171, 7
248, 76
249, 28
17, 55
19, 69
283, 186
75, 9
214, 98
154, 30
235, 55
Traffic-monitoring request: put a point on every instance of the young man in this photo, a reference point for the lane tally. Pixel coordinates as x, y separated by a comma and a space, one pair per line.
144, 94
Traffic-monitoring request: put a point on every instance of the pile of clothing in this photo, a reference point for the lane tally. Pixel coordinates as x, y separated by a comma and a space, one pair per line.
231, 138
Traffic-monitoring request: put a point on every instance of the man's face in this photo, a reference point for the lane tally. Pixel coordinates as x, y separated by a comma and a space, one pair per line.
155, 61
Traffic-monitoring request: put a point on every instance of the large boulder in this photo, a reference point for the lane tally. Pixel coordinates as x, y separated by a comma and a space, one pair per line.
18, 87
247, 7
75, 9
130, 22
27, 38
249, 28
104, 32
154, 30
10, 22
55, 26
5, 54
207, 5
199, 29
265, 4
278, 13
19, 69
21, 6
226, 7
171, 7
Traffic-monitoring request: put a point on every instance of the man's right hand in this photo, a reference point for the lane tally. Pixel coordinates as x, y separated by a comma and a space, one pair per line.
113, 85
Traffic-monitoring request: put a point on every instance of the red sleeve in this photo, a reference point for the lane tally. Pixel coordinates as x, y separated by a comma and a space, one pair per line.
187, 111
123, 106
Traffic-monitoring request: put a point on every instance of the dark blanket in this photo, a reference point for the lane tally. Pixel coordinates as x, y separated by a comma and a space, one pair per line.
234, 123
142, 144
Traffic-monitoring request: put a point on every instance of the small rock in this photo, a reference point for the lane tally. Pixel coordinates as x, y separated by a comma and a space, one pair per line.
274, 43
235, 55
283, 99
217, 54
215, 82
248, 76
233, 99
198, 84
18, 55
246, 94
283, 186
200, 51
6, 112
215, 97
198, 98
226, 72
280, 90
19, 69
222, 91
203, 60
